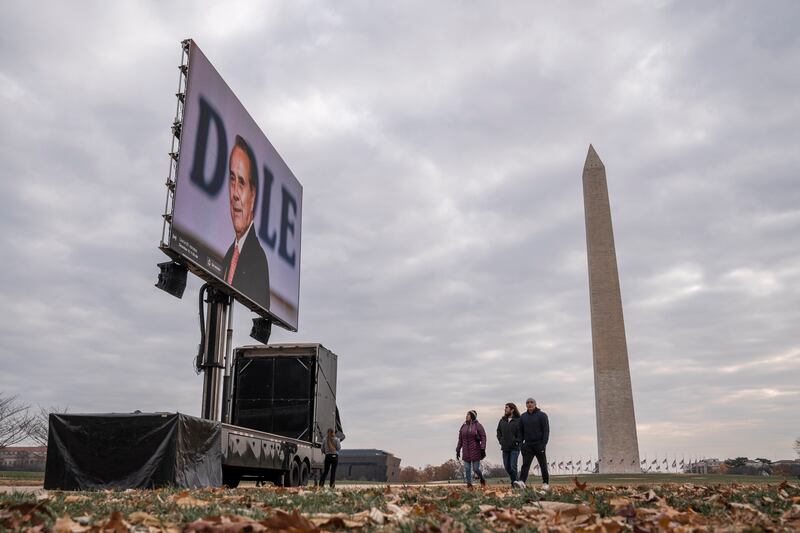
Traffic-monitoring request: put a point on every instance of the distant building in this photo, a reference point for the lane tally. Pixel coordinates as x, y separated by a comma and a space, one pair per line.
23, 458
705, 466
368, 465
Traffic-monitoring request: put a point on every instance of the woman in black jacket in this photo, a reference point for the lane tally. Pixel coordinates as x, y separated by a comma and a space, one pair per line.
508, 435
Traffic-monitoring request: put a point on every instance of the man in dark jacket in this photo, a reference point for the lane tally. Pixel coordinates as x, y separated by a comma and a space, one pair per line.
245, 263
509, 437
535, 430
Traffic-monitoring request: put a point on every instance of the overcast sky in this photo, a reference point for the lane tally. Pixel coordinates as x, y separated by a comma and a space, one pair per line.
440, 147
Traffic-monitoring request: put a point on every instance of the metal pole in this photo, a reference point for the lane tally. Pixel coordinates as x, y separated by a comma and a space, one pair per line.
226, 379
217, 313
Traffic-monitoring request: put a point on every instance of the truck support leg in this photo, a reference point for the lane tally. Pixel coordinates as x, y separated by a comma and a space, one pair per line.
218, 305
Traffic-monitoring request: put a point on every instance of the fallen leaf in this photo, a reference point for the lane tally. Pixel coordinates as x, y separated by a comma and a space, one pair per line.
184, 499
115, 524
294, 523
65, 524
619, 501
377, 516
146, 519
398, 513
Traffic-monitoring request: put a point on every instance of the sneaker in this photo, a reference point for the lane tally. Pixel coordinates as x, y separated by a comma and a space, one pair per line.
520, 484
545, 486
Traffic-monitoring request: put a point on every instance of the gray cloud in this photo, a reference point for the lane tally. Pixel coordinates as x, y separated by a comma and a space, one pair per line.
440, 148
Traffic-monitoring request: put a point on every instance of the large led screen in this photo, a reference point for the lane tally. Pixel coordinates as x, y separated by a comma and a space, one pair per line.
238, 208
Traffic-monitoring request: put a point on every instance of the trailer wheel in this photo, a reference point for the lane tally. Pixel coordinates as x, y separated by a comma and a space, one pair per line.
231, 479
294, 474
304, 474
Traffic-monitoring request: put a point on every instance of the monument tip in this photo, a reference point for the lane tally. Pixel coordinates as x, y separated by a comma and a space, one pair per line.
592, 159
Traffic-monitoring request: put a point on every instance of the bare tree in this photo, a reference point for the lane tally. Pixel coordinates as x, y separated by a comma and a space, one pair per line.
15, 421
797, 446
41, 423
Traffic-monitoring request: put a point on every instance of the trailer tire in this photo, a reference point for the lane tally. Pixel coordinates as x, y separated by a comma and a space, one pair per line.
305, 474
231, 479
294, 474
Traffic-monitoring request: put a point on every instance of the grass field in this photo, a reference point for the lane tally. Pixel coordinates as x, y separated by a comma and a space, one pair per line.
22, 475
615, 505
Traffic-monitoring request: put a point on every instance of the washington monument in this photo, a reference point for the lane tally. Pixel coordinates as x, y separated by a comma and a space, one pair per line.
618, 445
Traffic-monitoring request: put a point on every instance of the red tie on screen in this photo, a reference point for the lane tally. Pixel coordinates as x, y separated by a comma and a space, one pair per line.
234, 260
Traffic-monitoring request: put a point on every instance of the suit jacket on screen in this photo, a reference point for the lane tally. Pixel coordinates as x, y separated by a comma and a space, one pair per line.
251, 276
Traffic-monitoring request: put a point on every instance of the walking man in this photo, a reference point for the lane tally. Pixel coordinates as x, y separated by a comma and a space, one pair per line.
535, 430
508, 435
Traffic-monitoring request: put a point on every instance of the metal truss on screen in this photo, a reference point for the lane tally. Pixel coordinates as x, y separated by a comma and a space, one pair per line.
174, 155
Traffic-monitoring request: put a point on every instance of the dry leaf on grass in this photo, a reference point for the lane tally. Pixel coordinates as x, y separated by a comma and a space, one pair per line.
145, 519
292, 523
377, 516
184, 499
65, 524
115, 524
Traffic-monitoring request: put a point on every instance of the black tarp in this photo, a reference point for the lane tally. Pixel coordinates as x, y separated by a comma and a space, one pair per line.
138, 450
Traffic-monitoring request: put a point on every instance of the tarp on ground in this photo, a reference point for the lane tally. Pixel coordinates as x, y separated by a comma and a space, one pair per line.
132, 451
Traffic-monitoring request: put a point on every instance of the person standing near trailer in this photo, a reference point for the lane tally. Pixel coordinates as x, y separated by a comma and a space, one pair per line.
472, 441
330, 447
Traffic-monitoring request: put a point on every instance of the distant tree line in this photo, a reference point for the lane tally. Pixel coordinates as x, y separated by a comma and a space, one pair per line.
759, 466
19, 422
449, 470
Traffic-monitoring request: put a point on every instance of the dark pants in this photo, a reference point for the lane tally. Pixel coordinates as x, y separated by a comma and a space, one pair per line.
510, 463
527, 459
331, 461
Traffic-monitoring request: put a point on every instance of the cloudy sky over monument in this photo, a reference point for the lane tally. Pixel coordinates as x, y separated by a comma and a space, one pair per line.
440, 148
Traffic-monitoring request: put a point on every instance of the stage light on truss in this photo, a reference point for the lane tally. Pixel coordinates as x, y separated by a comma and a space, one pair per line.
172, 278
261, 330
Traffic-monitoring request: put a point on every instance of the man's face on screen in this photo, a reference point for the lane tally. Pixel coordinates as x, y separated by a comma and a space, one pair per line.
242, 195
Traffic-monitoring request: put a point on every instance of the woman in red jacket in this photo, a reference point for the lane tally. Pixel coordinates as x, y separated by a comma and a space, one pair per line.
472, 441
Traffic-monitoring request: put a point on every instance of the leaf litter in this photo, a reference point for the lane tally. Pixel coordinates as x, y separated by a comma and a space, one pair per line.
435, 509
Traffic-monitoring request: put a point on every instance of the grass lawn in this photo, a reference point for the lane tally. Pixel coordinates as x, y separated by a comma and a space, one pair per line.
621, 503
31, 478
649, 479
630, 479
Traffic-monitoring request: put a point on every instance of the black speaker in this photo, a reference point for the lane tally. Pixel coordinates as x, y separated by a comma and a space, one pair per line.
172, 278
262, 329
275, 394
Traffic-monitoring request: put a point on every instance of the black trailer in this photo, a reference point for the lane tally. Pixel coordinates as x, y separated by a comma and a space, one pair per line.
282, 401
